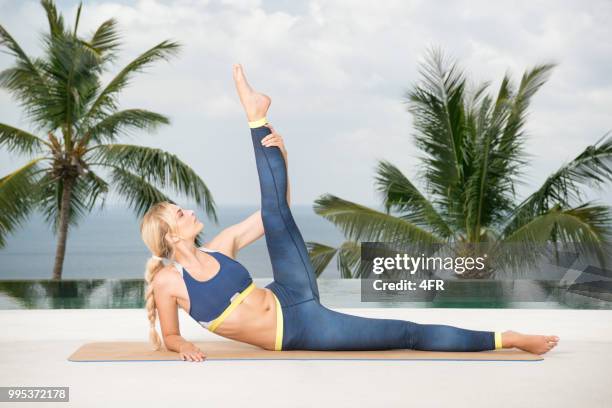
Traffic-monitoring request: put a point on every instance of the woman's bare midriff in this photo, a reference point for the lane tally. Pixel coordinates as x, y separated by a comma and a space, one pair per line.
253, 321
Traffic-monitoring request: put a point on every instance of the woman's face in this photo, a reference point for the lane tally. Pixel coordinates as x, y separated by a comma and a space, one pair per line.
187, 223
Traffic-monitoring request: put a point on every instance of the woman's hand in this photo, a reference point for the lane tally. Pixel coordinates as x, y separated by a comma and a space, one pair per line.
274, 139
190, 352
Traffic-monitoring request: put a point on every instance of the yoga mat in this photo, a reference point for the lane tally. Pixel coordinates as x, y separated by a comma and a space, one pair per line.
233, 350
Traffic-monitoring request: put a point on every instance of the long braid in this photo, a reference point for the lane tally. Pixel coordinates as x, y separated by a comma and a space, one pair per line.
153, 266
157, 222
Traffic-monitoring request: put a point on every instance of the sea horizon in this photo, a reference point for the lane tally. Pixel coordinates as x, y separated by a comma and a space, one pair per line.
107, 245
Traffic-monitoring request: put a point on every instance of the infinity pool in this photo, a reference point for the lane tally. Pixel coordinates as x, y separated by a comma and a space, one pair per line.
128, 293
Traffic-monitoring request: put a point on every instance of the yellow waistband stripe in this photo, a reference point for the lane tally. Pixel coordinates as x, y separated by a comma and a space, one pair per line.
258, 122
498, 340
237, 300
278, 345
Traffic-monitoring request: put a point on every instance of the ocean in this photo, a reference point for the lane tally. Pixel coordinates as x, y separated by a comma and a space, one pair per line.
107, 245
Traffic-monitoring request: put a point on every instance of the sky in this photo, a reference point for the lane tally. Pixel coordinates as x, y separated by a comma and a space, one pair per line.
337, 73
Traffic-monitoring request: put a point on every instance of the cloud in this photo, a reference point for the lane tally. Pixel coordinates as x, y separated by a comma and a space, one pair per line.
337, 71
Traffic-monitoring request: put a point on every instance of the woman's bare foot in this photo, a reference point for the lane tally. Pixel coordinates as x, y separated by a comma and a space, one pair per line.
255, 104
533, 343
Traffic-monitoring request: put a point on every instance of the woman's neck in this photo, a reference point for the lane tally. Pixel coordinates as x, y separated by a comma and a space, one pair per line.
186, 254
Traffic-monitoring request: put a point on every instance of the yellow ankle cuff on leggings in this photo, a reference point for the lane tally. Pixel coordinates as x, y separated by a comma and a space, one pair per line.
258, 122
498, 340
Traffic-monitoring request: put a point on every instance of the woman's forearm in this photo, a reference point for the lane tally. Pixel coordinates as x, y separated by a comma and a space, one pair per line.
288, 185
174, 342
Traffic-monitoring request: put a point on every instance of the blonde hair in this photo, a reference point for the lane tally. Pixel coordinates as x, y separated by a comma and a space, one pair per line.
156, 223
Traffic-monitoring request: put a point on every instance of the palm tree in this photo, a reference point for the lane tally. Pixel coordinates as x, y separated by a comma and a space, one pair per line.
63, 96
473, 145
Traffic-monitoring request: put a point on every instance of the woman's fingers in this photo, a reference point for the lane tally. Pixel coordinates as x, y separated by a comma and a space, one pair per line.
272, 140
193, 356
271, 136
197, 356
267, 140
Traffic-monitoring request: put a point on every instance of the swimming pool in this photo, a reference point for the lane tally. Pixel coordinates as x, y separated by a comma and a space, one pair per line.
128, 293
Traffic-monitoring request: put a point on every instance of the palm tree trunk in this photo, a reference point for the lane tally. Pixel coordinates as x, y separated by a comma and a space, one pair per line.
62, 236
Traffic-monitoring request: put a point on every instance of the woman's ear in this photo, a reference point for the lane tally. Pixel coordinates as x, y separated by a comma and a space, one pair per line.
172, 238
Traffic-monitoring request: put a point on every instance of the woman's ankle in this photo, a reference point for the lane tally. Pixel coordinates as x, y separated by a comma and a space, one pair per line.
257, 123
509, 339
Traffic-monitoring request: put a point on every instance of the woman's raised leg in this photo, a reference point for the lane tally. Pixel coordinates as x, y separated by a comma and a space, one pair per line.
291, 264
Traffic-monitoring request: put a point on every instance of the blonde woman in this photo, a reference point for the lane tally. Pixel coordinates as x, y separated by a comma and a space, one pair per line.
219, 293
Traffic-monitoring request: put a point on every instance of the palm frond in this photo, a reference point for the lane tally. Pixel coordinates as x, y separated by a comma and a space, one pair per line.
19, 141
320, 256
437, 105
105, 41
511, 145
349, 261
73, 72
531, 82
486, 189
362, 223
25, 80
16, 204
156, 166
106, 100
593, 167
6, 40
121, 122
138, 192
77, 19
586, 226
400, 194
56, 21
89, 188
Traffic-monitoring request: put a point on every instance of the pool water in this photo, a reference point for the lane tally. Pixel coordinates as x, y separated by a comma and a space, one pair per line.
337, 293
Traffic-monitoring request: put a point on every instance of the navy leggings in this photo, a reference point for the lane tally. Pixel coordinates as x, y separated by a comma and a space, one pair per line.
308, 325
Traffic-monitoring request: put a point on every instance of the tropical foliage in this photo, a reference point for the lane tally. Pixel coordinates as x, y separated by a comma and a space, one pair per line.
78, 125
473, 157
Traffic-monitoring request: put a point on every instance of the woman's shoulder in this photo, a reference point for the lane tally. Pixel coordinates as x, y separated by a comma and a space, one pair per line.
167, 275
222, 244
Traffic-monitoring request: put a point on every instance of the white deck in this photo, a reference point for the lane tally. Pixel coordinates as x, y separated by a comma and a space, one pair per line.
35, 344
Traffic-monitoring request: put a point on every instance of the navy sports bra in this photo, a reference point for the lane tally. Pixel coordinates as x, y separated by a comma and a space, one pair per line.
211, 301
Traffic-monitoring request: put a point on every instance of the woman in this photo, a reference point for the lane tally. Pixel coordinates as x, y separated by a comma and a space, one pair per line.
218, 292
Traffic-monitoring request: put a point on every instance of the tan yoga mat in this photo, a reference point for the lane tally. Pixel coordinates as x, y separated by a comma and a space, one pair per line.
233, 350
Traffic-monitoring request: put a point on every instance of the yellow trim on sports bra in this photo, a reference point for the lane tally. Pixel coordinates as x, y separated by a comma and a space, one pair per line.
258, 122
237, 300
498, 340
278, 345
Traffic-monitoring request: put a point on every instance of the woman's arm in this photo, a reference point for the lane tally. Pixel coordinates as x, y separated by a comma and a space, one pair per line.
252, 228
288, 184
167, 310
